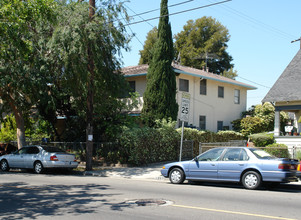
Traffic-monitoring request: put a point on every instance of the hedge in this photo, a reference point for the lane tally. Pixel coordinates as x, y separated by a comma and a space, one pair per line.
139, 146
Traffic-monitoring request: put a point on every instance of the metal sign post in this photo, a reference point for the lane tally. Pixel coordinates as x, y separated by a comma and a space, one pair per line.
184, 116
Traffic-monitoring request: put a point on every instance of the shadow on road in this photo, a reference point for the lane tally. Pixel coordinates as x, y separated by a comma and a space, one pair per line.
19, 200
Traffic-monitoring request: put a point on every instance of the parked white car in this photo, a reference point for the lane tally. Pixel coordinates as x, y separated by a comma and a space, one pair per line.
38, 158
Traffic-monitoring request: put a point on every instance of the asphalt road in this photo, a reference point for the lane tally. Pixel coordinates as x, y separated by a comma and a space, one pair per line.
65, 196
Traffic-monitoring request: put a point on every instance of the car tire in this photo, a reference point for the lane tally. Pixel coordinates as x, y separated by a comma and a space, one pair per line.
251, 180
4, 165
176, 176
38, 167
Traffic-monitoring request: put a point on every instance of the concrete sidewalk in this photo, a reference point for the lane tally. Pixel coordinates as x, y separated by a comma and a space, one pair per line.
148, 172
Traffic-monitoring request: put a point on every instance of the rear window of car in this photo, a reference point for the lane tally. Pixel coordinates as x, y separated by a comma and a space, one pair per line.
261, 154
52, 149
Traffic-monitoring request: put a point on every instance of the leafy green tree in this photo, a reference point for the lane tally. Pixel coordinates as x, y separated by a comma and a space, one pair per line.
230, 74
85, 53
203, 42
8, 129
146, 53
24, 26
259, 118
160, 95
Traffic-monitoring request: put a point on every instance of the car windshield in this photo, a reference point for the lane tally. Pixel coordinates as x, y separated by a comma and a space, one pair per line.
261, 154
52, 149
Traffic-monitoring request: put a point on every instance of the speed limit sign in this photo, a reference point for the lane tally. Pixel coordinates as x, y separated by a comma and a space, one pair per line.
185, 107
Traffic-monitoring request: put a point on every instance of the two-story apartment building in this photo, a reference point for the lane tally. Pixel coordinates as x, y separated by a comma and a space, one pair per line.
215, 101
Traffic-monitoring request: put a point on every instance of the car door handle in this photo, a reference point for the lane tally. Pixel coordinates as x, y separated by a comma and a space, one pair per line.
213, 164
241, 164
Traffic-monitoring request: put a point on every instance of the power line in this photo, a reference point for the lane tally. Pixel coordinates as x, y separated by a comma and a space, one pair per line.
180, 12
139, 16
153, 10
256, 22
253, 82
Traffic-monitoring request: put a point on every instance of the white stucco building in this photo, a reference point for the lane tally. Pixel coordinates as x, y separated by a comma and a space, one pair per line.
215, 101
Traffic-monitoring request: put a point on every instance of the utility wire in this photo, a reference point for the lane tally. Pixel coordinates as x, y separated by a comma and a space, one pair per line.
139, 16
143, 13
180, 12
254, 82
256, 22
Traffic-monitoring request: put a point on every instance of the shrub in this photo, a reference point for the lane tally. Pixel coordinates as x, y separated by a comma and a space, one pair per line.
8, 130
224, 136
262, 139
138, 146
147, 145
298, 154
251, 125
278, 150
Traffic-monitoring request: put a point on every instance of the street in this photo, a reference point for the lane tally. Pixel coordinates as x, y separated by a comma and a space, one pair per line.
63, 196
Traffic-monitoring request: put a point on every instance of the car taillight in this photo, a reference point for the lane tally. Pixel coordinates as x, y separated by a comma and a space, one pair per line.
53, 158
299, 167
287, 166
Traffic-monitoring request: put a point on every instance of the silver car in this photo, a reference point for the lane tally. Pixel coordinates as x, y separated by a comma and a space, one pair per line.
38, 158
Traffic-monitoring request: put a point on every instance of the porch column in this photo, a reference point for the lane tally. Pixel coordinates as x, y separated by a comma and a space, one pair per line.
277, 124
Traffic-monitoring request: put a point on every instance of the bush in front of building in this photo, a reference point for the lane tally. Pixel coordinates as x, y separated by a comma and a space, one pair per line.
138, 146
262, 139
278, 150
148, 145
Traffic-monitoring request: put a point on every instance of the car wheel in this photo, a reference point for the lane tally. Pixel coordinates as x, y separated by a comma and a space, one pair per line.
38, 167
176, 176
4, 165
251, 180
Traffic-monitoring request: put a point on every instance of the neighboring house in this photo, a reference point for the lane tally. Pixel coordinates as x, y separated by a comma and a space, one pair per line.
215, 101
286, 96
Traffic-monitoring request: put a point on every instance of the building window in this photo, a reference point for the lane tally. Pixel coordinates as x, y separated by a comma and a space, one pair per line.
184, 85
220, 125
202, 122
237, 96
132, 86
127, 90
221, 92
203, 87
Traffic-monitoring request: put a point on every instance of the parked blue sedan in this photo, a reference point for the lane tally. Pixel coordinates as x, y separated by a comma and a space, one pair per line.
250, 166
38, 158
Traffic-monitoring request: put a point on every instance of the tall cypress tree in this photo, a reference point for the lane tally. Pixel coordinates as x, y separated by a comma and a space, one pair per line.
160, 95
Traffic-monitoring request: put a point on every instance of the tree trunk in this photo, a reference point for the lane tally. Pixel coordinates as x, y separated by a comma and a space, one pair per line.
19, 121
20, 129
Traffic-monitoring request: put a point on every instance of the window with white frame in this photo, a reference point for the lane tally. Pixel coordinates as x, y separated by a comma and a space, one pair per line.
203, 87
202, 122
220, 125
184, 85
221, 92
237, 96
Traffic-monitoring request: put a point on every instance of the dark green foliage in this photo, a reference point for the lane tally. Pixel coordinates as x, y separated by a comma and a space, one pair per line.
25, 28
262, 139
139, 146
149, 145
160, 94
278, 150
146, 53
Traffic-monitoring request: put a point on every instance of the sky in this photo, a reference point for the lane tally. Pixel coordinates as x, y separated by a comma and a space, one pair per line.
260, 31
